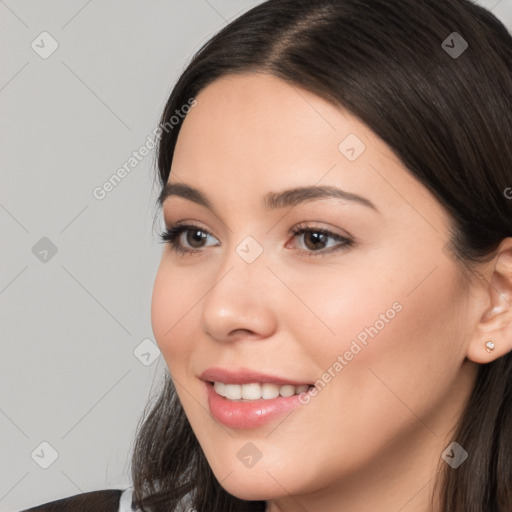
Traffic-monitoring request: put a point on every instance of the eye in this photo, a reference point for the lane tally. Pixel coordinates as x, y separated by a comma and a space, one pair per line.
316, 240
190, 239
193, 236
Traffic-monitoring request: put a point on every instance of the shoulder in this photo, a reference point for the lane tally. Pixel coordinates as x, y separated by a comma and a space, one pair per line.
108, 500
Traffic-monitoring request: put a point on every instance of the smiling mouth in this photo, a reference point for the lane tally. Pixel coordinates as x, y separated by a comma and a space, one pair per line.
257, 391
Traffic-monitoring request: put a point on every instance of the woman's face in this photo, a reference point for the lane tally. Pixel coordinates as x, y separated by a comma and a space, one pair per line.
365, 303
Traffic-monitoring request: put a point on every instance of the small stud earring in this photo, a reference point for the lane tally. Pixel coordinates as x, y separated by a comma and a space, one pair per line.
490, 346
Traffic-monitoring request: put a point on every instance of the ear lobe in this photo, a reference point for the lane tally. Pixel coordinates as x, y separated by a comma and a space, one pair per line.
495, 324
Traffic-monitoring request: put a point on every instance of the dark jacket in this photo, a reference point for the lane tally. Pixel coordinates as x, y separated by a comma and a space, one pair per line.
96, 501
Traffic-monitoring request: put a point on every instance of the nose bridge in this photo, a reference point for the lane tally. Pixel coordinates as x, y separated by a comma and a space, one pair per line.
244, 264
236, 300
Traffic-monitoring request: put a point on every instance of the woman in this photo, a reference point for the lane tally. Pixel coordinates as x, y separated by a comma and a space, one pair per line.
334, 296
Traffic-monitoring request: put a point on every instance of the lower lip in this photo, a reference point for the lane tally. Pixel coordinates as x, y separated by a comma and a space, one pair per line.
250, 414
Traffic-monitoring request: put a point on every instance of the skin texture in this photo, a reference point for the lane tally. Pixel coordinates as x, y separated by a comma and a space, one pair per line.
373, 437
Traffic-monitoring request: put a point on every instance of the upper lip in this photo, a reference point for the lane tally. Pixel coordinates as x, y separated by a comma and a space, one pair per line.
245, 376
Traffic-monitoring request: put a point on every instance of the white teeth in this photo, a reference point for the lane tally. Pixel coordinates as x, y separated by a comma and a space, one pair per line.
287, 391
219, 388
256, 391
269, 390
233, 391
251, 391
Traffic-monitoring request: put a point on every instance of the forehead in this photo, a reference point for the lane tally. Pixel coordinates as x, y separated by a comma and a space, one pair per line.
255, 109
257, 124
251, 133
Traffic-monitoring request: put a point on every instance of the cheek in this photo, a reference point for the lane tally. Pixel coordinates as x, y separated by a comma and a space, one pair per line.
339, 312
374, 328
399, 309
400, 348
170, 306
396, 382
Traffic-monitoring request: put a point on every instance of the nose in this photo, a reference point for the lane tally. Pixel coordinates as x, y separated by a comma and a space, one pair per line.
239, 304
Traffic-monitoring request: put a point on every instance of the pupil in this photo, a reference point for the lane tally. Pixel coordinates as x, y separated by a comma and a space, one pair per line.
195, 236
317, 238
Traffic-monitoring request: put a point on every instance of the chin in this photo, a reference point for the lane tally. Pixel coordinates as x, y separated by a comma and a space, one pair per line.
257, 483
251, 488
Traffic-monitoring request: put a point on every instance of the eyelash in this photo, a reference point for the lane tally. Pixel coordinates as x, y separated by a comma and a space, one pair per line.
171, 236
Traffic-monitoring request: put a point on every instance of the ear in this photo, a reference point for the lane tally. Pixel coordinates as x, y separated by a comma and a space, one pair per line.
494, 309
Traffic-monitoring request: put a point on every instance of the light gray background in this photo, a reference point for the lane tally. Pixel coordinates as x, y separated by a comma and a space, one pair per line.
75, 324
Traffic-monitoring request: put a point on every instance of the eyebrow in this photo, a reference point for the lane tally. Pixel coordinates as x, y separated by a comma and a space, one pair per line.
272, 200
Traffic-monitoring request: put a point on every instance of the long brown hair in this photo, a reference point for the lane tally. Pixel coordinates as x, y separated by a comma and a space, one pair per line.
447, 116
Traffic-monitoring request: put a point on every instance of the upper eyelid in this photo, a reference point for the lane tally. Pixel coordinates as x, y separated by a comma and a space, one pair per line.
300, 226
188, 226
305, 225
